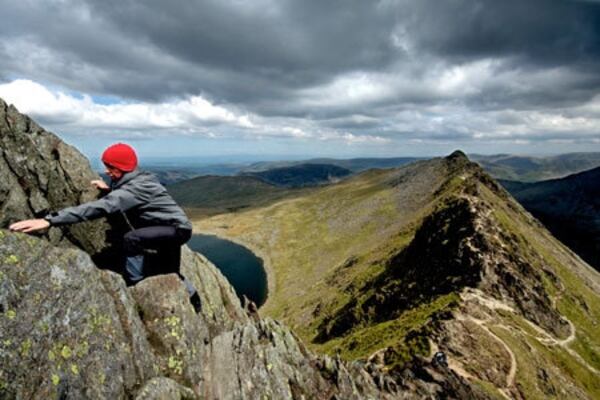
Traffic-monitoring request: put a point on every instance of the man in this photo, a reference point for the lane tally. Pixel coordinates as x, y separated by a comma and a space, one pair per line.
159, 227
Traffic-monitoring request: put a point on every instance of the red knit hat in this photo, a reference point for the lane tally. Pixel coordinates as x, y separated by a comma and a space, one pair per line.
121, 156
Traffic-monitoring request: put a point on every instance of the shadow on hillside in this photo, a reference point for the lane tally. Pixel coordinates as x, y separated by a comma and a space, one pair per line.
436, 262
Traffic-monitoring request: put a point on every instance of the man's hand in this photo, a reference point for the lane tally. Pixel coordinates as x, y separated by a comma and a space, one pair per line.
100, 184
29, 225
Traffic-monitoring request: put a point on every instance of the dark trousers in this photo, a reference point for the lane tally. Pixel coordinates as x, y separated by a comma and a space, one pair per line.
153, 250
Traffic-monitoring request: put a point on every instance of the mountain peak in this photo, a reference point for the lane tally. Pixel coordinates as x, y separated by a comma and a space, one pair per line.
457, 155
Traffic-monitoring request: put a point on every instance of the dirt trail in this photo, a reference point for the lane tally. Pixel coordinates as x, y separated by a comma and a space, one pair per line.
544, 336
482, 298
494, 304
510, 377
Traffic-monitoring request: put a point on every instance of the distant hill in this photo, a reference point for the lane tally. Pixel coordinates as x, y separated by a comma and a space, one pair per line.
170, 174
166, 177
302, 175
210, 194
500, 166
531, 169
352, 164
569, 207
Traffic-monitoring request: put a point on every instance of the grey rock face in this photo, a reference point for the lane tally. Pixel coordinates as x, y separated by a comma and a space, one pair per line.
39, 173
71, 330
164, 389
61, 333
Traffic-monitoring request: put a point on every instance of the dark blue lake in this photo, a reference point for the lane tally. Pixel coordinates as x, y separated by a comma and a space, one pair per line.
241, 267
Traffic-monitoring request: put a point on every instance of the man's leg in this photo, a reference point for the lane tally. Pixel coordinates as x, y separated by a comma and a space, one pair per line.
159, 239
166, 241
183, 236
134, 268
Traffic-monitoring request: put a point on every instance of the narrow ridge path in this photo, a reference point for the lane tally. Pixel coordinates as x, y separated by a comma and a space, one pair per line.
545, 337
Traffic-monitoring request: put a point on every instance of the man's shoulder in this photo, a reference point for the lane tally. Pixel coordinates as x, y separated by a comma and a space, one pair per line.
143, 174
145, 180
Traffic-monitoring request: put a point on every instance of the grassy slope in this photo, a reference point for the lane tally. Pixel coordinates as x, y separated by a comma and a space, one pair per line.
209, 195
358, 222
575, 289
322, 247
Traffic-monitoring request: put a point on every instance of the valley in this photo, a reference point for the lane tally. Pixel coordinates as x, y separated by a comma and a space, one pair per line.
569, 207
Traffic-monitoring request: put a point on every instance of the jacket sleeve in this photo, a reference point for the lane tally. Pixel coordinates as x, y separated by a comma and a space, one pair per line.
119, 200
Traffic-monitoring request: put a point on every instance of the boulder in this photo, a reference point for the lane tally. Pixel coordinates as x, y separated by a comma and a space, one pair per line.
71, 330
39, 173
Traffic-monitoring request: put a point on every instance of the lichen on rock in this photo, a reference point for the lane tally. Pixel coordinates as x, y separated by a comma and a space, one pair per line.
99, 339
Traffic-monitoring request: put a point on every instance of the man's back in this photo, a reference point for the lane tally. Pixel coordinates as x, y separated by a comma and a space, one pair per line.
156, 206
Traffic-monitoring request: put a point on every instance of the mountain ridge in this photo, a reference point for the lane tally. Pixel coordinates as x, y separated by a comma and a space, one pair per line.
399, 302
531, 169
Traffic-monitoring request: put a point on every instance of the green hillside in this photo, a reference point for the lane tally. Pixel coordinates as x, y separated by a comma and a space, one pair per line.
396, 264
210, 194
302, 175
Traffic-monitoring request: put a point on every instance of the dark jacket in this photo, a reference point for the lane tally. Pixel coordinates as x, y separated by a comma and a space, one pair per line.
139, 195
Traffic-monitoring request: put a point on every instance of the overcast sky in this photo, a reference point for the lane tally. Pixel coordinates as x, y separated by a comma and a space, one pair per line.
275, 78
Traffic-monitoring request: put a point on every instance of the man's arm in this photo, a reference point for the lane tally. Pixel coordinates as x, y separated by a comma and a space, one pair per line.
118, 200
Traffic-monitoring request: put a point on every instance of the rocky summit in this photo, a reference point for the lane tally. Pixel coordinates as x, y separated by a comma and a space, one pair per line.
71, 329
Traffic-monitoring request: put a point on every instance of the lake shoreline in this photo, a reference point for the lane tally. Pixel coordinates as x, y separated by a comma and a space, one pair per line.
266, 261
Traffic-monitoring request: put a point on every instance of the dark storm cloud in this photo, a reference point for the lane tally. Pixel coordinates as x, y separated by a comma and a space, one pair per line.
271, 38
232, 51
349, 65
536, 31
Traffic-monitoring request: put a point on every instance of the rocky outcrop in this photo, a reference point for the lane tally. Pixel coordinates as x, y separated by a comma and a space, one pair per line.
40, 173
71, 330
